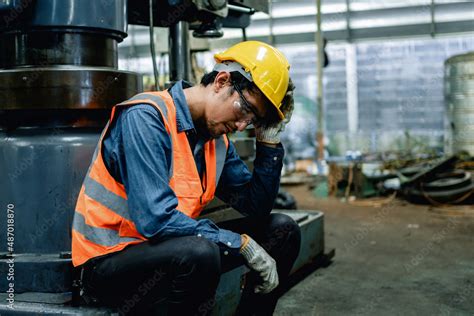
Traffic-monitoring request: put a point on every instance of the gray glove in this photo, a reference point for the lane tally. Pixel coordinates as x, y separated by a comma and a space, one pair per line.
259, 260
271, 134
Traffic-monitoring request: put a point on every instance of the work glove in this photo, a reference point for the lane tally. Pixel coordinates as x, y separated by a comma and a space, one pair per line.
261, 262
271, 134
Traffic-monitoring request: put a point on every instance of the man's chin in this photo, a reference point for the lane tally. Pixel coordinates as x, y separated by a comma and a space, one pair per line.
214, 134
217, 132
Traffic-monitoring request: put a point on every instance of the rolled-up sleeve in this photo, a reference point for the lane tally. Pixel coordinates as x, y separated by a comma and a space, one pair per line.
144, 163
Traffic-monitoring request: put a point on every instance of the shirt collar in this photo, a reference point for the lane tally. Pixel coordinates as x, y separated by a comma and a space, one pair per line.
183, 116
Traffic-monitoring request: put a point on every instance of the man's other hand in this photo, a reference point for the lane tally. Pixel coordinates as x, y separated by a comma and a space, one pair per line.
259, 260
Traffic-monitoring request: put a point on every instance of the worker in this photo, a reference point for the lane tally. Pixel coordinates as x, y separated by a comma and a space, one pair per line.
163, 156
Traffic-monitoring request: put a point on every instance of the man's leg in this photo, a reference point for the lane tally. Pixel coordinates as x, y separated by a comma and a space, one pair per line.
185, 271
280, 236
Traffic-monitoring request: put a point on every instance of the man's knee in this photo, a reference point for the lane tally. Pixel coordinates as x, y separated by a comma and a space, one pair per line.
202, 249
284, 226
284, 232
201, 254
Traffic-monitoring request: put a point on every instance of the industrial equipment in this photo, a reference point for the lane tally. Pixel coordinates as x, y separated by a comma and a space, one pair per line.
459, 97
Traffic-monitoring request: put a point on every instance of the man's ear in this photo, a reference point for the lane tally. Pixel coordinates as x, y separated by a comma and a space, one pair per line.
222, 79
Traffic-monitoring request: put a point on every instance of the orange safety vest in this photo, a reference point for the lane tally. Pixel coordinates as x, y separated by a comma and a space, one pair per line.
102, 222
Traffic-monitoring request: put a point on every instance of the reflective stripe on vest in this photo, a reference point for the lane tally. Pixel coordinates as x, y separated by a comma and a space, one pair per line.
221, 153
98, 235
112, 201
102, 222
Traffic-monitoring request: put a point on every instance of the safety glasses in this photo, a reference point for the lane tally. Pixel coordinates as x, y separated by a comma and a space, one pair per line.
247, 112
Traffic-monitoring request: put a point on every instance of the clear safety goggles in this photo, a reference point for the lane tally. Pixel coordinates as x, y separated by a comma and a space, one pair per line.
246, 112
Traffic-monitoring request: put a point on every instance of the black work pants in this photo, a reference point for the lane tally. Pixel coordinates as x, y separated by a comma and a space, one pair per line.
185, 271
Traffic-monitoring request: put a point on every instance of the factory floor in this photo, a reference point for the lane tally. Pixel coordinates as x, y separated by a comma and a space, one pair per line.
398, 259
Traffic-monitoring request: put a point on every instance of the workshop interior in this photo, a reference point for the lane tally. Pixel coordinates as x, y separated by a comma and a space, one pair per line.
379, 153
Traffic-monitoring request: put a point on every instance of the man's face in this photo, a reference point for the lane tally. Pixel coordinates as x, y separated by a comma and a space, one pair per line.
231, 111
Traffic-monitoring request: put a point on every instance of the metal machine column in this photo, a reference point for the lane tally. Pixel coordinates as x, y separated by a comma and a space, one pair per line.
58, 82
179, 55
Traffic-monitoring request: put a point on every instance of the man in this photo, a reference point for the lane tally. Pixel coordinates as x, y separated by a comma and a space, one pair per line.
162, 157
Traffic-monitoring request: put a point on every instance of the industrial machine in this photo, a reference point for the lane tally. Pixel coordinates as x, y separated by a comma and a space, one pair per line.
59, 78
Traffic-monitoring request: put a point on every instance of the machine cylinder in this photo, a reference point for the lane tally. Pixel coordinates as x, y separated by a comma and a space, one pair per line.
58, 82
179, 51
459, 96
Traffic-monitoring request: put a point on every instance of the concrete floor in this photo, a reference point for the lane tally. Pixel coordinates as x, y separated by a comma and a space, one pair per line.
400, 259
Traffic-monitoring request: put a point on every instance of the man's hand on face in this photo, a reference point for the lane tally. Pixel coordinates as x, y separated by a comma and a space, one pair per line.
260, 261
271, 134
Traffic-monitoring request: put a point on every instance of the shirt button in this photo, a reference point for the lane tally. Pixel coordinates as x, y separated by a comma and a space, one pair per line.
226, 252
229, 244
199, 235
275, 158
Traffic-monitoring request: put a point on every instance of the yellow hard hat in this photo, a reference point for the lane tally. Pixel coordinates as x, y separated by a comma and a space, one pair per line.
267, 65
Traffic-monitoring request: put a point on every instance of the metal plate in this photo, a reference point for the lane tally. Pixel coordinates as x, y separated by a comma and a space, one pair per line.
66, 88
38, 273
42, 48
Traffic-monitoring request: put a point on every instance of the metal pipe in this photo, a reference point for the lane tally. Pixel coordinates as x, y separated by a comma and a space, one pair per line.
271, 38
319, 100
348, 20
240, 9
179, 55
152, 46
432, 15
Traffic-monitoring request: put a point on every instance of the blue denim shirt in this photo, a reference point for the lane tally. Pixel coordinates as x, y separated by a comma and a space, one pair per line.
138, 154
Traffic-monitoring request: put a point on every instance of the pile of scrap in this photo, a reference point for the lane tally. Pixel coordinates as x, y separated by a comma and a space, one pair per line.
442, 183
436, 181
352, 180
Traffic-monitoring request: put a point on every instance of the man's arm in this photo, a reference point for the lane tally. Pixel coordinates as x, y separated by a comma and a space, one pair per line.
144, 165
254, 193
